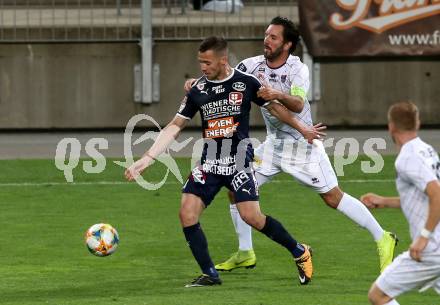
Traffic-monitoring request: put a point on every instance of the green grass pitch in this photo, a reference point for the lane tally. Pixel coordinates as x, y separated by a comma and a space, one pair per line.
43, 259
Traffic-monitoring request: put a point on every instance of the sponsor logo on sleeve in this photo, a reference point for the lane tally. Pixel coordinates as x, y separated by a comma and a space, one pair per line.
242, 67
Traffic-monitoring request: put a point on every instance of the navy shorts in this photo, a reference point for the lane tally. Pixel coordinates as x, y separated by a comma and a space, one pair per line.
206, 185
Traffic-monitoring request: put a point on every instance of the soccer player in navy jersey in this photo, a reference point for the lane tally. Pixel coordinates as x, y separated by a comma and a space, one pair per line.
223, 98
290, 150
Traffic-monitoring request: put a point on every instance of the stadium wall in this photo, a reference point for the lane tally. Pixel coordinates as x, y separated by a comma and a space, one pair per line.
86, 85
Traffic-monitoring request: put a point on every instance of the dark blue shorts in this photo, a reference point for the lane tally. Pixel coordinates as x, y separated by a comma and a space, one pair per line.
206, 185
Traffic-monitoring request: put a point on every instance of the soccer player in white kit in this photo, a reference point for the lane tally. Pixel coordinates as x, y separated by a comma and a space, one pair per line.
418, 185
286, 80
284, 149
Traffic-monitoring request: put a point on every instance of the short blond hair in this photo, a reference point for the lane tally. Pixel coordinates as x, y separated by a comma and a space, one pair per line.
404, 115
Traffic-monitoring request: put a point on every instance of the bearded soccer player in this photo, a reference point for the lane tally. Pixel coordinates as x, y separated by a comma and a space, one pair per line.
286, 149
223, 97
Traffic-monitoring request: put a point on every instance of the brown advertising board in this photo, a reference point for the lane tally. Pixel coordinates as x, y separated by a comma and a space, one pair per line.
371, 27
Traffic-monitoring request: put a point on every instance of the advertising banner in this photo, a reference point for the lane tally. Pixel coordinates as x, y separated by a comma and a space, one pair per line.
371, 27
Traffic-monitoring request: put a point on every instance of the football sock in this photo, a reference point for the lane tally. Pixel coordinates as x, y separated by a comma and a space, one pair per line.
275, 231
356, 211
392, 302
243, 230
199, 247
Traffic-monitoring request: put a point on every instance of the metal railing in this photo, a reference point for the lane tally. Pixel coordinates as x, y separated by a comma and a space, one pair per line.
120, 20
69, 20
247, 22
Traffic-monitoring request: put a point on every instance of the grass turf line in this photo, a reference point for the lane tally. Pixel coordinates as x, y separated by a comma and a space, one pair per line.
44, 259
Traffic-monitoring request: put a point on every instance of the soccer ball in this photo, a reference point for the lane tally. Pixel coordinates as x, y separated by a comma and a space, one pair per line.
102, 239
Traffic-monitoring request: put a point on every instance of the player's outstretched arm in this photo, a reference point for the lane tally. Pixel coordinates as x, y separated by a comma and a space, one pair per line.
163, 141
372, 201
281, 113
420, 243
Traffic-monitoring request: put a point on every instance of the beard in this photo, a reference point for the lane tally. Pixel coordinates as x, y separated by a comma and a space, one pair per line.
269, 54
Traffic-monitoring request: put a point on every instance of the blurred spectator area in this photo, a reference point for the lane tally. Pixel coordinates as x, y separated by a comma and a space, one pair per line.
120, 20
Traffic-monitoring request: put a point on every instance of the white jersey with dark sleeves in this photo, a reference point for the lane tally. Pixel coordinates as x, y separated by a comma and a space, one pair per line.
291, 78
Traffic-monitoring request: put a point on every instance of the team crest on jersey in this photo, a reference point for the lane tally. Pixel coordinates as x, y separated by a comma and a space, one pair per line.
239, 86
235, 98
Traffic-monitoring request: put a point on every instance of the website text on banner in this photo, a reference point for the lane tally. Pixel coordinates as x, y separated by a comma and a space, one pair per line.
369, 28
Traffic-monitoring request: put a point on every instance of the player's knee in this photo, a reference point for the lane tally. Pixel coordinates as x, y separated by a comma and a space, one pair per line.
190, 210
333, 197
187, 217
373, 296
254, 220
330, 201
247, 218
370, 297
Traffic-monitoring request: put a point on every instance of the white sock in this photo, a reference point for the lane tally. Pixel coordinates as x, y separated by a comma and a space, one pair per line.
392, 302
356, 211
243, 230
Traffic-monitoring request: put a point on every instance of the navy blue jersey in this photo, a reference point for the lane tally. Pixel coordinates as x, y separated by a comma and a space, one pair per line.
224, 107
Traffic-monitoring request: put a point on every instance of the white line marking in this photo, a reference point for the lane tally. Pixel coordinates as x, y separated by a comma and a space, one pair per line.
19, 184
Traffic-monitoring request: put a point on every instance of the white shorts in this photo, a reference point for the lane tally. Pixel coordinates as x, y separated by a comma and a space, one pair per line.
405, 274
306, 163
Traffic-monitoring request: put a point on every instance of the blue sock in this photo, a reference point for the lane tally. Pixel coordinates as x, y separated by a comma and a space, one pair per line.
199, 247
275, 231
